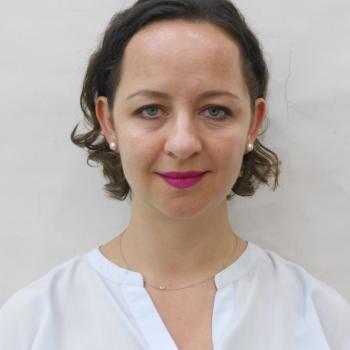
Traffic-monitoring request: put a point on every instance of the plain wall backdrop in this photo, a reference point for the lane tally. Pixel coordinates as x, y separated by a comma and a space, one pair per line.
52, 204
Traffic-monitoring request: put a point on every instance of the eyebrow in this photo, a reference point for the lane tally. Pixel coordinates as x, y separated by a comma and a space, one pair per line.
153, 93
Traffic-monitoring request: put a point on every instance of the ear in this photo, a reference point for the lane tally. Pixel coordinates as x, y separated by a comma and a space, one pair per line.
258, 118
105, 118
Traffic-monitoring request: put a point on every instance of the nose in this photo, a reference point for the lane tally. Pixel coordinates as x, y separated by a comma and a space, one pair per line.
183, 138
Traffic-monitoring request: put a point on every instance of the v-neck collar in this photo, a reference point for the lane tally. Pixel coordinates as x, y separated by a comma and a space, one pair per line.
120, 275
144, 310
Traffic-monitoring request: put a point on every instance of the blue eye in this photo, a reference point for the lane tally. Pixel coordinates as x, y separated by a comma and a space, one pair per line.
217, 110
152, 109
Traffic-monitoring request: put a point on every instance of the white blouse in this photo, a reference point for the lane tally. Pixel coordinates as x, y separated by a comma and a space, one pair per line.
263, 301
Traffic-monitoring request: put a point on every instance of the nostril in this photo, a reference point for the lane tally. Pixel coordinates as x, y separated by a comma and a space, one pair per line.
183, 148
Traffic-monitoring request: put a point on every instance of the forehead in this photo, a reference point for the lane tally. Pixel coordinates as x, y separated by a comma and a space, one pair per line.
178, 49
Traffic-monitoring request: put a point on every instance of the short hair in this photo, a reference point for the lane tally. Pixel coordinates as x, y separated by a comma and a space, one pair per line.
103, 74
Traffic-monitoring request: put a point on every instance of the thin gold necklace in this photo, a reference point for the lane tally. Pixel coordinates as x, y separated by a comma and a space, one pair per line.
163, 287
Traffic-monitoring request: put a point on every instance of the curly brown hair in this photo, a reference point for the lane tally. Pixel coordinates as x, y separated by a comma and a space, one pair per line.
104, 71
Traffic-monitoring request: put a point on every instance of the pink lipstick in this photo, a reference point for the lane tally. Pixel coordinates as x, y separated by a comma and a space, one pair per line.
182, 179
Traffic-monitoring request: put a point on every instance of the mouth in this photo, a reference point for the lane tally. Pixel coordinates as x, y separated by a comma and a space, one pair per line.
182, 182
182, 175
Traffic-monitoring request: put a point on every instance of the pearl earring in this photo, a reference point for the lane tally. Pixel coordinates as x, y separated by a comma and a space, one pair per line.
113, 146
250, 147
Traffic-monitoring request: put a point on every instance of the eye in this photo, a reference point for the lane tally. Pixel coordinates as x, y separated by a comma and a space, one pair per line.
216, 112
151, 109
219, 112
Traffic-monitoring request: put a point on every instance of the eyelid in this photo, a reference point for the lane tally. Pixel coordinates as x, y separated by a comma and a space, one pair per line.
228, 111
141, 109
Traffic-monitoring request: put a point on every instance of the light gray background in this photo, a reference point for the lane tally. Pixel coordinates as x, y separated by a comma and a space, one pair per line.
52, 204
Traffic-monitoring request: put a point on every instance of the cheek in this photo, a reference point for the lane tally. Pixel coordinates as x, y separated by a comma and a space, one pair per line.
136, 149
228, 149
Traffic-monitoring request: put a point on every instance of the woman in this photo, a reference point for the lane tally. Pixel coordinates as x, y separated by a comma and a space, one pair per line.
178, 277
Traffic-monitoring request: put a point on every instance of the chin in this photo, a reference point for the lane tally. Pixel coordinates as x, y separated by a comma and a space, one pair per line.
184, 208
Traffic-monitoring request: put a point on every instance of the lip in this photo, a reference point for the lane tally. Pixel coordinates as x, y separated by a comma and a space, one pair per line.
181, 175
183, 182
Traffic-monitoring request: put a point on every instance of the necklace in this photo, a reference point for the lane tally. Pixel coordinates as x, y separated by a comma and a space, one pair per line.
163, 287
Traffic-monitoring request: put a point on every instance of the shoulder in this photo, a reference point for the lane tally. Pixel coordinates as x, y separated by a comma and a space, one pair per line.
304, 297
292, 274
284, 273
28, 309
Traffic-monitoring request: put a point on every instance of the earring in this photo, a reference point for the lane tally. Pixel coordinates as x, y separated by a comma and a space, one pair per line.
250, 147
113, 146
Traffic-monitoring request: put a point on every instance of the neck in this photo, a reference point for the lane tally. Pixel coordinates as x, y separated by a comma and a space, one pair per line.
177, 251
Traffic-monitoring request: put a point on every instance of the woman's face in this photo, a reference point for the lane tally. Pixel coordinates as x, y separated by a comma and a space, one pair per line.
185, 126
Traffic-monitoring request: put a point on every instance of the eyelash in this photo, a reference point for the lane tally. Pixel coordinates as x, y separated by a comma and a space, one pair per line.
228, 112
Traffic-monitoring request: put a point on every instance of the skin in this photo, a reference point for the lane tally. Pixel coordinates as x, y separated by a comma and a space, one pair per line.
180, 236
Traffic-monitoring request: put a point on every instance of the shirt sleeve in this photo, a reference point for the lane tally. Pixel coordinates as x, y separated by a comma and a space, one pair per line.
334, 316
20, 320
